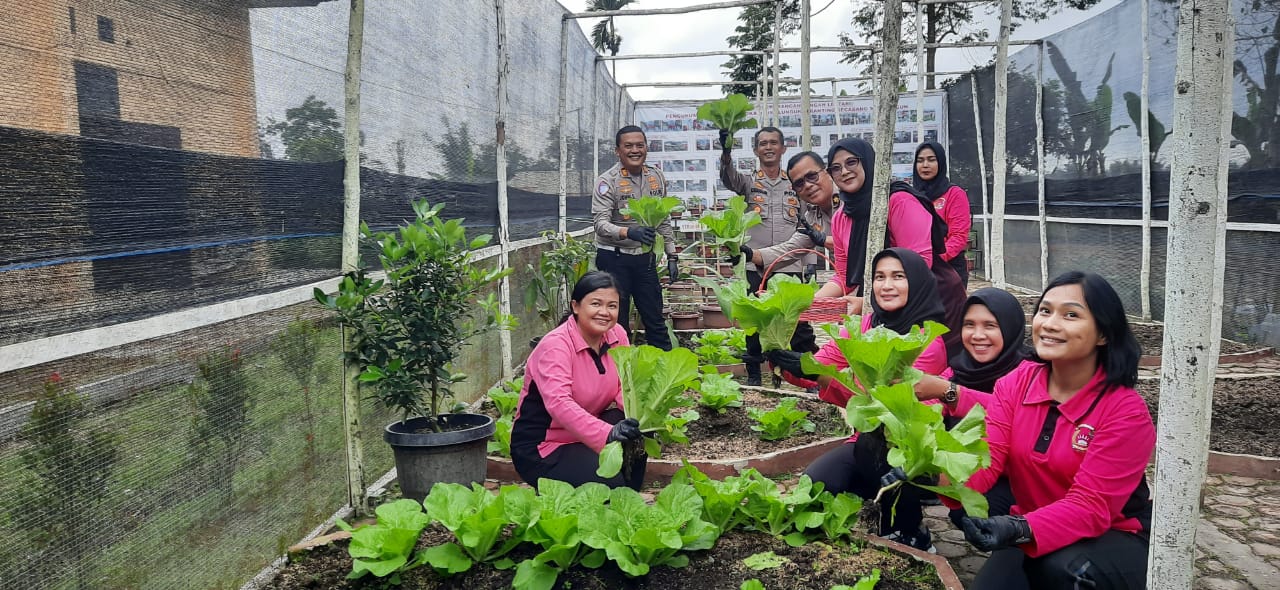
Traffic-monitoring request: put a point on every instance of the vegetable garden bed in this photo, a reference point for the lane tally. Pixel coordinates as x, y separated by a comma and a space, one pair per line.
1151, 337
1246, 417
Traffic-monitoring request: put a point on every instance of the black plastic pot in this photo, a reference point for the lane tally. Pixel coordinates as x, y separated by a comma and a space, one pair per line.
454, 455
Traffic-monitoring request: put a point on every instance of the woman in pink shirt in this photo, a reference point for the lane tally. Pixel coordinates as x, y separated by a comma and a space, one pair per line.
1073, 438
951, 202
913, 223
571, 404
904, 296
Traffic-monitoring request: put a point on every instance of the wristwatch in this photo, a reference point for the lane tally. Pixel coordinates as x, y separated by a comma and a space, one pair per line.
951, 396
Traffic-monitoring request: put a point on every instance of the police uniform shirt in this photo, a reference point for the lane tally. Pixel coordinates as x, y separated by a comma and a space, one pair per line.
778, 206
613, 189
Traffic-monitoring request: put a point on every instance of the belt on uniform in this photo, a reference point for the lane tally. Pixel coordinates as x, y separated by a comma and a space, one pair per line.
622, 250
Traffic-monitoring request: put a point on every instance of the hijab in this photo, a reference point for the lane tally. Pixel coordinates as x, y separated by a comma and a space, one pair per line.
1008, 312
923, 302
940, 184
856, 205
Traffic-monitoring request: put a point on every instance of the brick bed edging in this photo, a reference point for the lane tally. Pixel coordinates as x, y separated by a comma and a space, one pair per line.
1222, 463
946, 574
1223, 359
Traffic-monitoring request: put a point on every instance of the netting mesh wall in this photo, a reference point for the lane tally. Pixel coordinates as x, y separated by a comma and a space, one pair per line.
1091, 85
162, 159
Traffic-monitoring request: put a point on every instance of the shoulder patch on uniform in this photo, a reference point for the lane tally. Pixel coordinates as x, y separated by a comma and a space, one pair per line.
603, 188
940, 203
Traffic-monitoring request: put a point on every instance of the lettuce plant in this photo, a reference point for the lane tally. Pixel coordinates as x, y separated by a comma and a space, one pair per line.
781, 422
729, 114
773, 314
720, 347
652, 211
882, 378
863, 583
385, 549
506, 396
555, 526
729, 226
653, 383
719, 391
637, 535
500, 444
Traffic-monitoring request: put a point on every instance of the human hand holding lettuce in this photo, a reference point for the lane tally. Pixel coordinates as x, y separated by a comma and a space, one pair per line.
649, 213
729, 228
653, 383
728, 114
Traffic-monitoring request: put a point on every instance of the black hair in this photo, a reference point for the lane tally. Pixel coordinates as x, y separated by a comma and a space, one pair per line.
590, 282
617, 138
755, 140
1119, 356
817, 159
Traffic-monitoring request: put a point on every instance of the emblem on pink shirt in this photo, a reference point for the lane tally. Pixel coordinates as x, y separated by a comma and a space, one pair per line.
1081, 437
940, 203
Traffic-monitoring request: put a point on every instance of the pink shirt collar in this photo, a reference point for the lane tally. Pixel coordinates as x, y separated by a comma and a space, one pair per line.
1079, 403
580, 343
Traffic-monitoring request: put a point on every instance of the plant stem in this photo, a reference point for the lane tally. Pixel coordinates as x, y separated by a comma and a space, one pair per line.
887, 488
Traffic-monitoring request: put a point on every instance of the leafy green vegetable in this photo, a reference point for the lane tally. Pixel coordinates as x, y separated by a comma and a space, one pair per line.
729, 226
773, 314
882, 379
675, 429
764, 560
386, 548
500, 444
719, 347
785, 515
653, 381
780, 422
721, 499
652, 211
729, 114
506, 395
637, 535
752, 584
475, 516
719, 391
864, 583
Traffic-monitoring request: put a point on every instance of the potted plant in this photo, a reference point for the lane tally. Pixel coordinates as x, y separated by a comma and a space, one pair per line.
558, 270
406, 330
685, 316
694, 205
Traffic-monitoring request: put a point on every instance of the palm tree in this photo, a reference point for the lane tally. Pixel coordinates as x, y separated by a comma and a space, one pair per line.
604, 36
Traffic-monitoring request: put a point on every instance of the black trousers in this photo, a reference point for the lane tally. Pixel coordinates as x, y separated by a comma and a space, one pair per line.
856, 468
576, 463
1115, 561
639, 280
802, 340
962, 268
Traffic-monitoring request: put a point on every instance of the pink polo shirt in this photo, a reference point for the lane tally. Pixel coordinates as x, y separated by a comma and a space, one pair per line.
566, 387
953, 207
910, 226
1072, 480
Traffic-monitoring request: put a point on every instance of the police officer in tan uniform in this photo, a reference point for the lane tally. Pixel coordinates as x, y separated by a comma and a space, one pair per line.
621, 241
768, 192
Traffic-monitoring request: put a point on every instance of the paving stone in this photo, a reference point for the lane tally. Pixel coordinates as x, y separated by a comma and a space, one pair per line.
1221, 584
1232, 511
1238, 556
1237, 491
971, 564
1212, 480
939, 512
1231, 500
1269, 510
1213, 565
953, 536
1265, 550
1267, 537
1239, 481
950, 550
1228, 523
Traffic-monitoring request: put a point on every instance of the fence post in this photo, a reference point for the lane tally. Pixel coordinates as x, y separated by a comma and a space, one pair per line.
1042, 210
1197, 225
1144, 125
777, 48
561, 117
886, 121
806, 125
504, 219
982, 175
999, 168
350, 247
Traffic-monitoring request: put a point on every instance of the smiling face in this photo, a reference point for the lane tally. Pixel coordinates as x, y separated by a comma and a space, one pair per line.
632, 150
889, 284
596, 313
981, 334
847, 171
769, 149
817, 192
926, 164
1063, 329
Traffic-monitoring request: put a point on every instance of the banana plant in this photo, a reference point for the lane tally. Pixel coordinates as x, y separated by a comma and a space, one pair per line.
1088, 127
1156, 129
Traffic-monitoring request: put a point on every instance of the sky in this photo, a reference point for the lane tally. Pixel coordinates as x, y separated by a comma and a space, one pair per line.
706, 31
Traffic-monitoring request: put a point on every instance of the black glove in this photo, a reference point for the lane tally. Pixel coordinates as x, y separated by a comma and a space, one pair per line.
626, 430
895, 475
789, 361
737, 256
725, 138
673, 269
819, 237
997, 532
642, 233
810, 272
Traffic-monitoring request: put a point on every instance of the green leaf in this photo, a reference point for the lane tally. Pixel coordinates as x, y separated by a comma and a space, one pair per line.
532, 575
752, 584
773, 314
729, 226
764, 560
864, 583
447, 559
729, 114
653, 381
610, 460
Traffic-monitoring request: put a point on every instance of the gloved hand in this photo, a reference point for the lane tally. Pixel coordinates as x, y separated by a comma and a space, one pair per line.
642, 233
789, 361
725, 138
895, 475
819, 237
626, 430
737, 256
673, 268
997, 532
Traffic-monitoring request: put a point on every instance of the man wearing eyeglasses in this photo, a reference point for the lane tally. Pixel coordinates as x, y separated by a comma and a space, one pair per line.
768, 192
814, 187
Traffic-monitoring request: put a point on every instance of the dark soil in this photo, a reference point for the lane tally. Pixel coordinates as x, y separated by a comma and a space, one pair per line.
1246, 417
811, 567
1151, 338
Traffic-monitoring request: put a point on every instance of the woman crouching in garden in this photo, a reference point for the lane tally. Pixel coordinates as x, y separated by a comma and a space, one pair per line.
1073, 438
571, 403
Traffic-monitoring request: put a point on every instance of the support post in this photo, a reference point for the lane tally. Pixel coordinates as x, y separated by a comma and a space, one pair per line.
1144, 129
595, 126
920, 69
835, 104
561, 117
350, 248
999, 168
982, 174
1040, 198
504, 218
806, 125
1197, 234
777, 47
886, 114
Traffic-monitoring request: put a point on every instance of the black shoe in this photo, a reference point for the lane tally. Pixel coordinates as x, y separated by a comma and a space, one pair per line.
921, 539
753, 380
930, 500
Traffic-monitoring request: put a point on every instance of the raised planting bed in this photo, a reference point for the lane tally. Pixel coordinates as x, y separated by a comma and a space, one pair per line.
1151, 337
1245, 436
814, 566
721, 445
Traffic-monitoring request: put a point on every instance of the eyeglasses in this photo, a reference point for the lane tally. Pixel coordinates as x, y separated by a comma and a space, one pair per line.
811, 177
835, 168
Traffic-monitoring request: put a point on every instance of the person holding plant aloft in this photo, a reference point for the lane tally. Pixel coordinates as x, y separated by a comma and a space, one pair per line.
903, 297
950, 201
621, 242
768, 192
913, 223
1073, 438
571, 403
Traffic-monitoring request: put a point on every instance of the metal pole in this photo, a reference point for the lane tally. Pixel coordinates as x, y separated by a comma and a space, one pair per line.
679, 10
806, 141
777, 46
350, 248
504, 219
561, 117
999, 170
982, 171
835, 104
886, 121
1197, 221
595, 131
920, 69
1040, 204
1144, 125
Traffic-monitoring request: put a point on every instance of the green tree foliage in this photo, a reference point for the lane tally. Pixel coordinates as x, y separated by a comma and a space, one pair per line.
297, 347
1258, 129
466, 160
220, 423
310, 132
1021, 133
755, 32
604, 35
1087, 130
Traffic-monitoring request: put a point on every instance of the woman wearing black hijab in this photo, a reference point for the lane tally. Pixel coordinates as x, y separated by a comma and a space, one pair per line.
950, 201
913, 223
